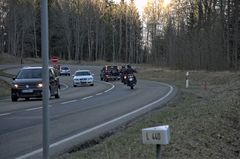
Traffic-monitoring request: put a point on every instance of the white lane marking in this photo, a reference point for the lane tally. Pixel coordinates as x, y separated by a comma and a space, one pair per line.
87, 97
25, 118
65, 85
99, 94
71, 101
99, 126
113, 86
4, 100
33, 109
4, 114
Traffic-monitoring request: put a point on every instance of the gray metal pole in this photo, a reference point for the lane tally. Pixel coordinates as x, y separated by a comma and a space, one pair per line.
45, 59
158, 151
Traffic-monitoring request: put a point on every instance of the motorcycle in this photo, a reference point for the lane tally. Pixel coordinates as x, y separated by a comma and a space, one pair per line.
131, 81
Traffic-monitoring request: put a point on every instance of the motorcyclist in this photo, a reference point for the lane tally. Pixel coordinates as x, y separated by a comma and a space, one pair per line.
130, 70
123, 72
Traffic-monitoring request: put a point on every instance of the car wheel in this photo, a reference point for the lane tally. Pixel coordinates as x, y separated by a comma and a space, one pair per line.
58, 93
27, 98
14, 98
92, 84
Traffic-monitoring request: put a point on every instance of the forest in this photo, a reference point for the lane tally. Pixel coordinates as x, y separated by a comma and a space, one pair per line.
186, 34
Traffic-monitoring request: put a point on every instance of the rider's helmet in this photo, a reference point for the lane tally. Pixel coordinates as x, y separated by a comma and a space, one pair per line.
129, 66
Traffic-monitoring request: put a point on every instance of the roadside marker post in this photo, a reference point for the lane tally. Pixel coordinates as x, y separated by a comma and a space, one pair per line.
187, 79
158, 136
205, 85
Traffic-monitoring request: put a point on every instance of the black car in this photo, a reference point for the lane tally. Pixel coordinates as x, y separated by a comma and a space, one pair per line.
110, 73
28, 83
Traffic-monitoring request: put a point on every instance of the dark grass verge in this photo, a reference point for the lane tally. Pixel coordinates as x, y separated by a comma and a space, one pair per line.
5, 74
4, 88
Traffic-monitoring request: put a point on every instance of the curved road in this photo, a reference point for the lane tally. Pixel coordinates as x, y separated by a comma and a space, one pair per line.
79, 115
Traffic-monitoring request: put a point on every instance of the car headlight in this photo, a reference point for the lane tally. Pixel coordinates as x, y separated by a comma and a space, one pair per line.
40, 85
15, 85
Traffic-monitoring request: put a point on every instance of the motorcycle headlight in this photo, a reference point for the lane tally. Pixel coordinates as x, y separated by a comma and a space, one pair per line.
40, 85
15, 85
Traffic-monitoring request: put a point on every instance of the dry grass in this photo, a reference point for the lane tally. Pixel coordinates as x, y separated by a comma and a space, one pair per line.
204, 123
4, 88
8, 59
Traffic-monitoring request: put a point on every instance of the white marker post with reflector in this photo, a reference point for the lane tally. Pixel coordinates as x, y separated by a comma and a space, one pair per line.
158, 136
187, 79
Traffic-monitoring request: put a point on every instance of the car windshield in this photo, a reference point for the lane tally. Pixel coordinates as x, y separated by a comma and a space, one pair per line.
114, 67
64, 68
29, 74
82, 73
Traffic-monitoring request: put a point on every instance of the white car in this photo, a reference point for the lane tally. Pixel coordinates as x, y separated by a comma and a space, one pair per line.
83, 77
64, 70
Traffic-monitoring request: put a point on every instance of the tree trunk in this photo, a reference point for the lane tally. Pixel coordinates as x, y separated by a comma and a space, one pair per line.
236, 35
120, 36
22, 45
126, 40
35, 39
113, 45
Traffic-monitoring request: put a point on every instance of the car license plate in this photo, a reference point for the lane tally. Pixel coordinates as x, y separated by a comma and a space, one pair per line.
27, 91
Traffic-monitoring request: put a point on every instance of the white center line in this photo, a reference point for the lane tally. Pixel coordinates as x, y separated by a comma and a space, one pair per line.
65, 86
33, 109
71, 101
4, 100
99, 94
113, 86
87, 97
4, 114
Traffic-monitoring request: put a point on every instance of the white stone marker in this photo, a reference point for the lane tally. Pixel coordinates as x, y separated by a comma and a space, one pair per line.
158, 136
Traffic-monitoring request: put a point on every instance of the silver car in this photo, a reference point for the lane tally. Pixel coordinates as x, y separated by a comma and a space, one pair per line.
83, 77
64, 70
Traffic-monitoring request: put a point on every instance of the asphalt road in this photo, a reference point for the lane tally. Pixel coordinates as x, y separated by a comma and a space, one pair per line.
79, 115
